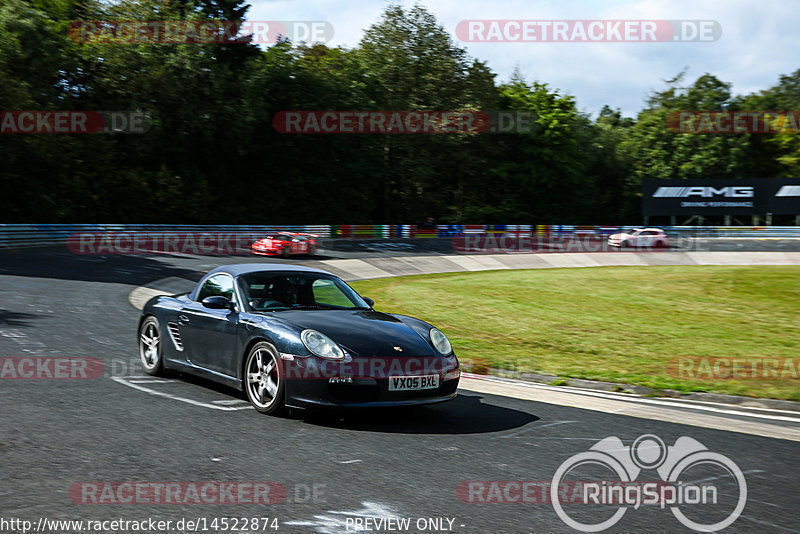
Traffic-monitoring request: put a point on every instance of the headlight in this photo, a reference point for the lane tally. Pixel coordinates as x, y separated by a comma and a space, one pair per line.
321, 345
440, 342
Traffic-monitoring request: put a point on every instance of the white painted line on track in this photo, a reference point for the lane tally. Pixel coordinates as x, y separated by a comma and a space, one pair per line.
721, 418
229, 402
742, 406
332, 522
176, 397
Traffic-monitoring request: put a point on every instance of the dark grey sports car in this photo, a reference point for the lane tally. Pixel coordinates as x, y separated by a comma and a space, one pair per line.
298, 337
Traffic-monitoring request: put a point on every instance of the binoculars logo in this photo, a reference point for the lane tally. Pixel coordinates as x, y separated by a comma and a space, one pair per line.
648, 452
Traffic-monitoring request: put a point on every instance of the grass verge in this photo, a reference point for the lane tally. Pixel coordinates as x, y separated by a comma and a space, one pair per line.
722, 329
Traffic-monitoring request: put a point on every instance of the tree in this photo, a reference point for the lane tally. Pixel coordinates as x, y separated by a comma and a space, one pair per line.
410, 63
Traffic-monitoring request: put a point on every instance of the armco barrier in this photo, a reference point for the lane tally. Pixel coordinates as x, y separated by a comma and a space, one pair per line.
746, 232
27, 235
750, 232
32, 235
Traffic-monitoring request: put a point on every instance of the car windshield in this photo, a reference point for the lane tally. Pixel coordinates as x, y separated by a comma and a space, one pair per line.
278, 291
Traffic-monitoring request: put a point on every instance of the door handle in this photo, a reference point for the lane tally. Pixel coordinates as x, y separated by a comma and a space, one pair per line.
183, 319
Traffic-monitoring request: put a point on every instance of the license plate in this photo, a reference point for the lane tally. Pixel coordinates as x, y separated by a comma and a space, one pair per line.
413, 383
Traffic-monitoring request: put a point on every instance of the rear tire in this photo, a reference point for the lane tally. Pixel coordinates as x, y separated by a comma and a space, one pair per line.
285, 252
312, 250
263, 379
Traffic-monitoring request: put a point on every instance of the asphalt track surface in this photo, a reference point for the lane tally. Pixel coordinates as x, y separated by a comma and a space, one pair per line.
123, 427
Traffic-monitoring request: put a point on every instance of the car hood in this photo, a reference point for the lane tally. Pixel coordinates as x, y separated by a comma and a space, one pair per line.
362, 332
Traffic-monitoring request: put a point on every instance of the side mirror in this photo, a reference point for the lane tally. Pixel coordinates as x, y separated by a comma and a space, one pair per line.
218, 303
369, 301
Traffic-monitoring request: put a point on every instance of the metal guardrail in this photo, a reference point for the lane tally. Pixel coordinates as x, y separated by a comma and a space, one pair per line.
31, 235
744, 232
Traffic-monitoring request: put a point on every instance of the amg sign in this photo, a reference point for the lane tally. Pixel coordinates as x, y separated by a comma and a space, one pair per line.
685, 192
721, 197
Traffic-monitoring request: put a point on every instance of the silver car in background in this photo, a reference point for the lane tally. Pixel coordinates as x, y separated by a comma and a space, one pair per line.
640, 237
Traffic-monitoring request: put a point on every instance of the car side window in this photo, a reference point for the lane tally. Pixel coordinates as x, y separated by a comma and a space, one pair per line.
326, 292
218, 285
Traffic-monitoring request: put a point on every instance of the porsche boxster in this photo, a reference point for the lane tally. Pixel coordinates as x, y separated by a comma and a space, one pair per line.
294, 336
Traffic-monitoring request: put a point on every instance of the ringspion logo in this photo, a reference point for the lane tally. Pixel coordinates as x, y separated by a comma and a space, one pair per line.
672, 464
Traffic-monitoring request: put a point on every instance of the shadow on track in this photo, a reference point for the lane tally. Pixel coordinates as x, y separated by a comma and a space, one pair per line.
60, 264
466, 414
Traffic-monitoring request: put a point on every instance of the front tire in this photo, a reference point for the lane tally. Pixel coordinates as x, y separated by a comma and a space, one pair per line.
150, 351
285, 252
263, 379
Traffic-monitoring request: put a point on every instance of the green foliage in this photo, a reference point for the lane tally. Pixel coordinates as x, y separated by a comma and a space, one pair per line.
540, 176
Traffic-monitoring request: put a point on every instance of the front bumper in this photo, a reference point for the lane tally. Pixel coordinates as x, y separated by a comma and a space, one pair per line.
367, 389
363, 393
266, 252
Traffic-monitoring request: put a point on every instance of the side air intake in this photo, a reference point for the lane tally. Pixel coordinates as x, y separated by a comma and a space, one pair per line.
175, 334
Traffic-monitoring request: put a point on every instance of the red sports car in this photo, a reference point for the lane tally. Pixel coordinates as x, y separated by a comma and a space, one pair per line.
285, 244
